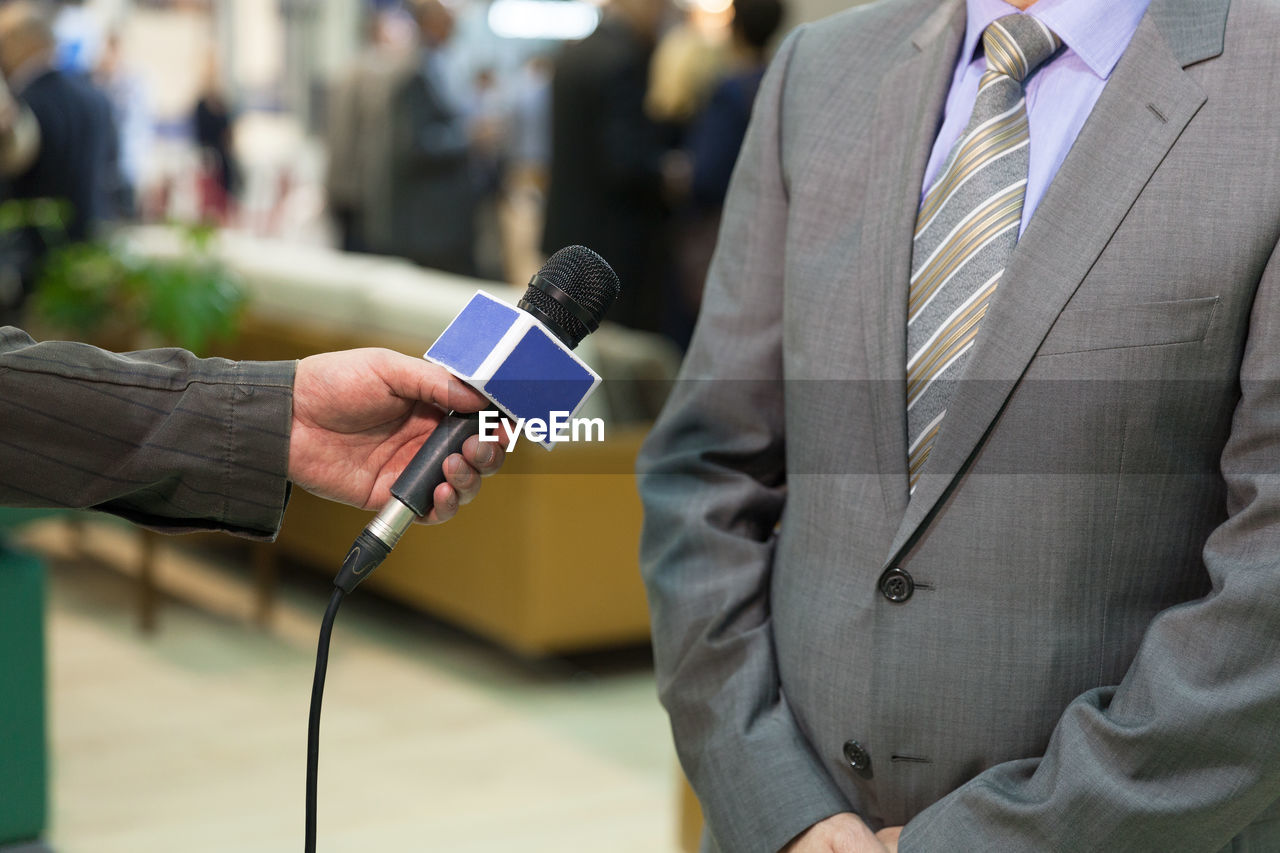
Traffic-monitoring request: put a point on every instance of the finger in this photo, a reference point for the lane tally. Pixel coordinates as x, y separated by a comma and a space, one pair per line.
464, 478
506, 431
889, 837
444, 504
416, 379
485, 456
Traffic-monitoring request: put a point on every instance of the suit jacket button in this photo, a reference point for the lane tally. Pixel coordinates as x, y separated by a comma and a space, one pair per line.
859, 759
896, 585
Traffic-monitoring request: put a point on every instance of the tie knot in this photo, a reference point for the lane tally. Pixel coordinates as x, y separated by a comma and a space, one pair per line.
1017, 44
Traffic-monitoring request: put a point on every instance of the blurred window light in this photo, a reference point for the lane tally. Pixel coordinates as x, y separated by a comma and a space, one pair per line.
714, 7
543, 19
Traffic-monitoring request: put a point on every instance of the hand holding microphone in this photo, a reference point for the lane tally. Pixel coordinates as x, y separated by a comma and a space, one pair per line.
360, 416
520, 359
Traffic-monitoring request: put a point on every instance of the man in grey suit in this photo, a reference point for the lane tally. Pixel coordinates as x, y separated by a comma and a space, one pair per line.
1045, 616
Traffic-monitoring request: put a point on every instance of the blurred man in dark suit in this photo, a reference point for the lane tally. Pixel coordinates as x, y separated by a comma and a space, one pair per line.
57, 141
419, 193
712, 150
606, 156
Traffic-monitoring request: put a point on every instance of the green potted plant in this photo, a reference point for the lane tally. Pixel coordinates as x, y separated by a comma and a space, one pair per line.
106, 294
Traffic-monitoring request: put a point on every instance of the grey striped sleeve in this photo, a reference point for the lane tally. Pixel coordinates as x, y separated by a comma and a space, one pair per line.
162, 438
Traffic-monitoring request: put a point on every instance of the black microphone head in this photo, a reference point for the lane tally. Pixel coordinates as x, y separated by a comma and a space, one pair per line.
571, 293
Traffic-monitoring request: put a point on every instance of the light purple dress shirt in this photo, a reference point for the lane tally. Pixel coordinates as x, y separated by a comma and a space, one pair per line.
1060, 95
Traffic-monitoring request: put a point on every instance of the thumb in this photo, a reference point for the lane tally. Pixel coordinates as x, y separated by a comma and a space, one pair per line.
416, 379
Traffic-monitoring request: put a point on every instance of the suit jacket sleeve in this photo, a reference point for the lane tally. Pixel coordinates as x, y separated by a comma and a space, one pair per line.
1183, 753
162, 438
713, 486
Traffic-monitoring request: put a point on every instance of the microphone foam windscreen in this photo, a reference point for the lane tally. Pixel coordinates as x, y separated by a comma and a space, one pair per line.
584, 277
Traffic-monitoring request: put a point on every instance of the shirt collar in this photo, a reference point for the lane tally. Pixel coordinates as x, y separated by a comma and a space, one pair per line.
1098, 31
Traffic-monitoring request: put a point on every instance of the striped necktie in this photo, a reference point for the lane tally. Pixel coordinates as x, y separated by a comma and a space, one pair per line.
967, 228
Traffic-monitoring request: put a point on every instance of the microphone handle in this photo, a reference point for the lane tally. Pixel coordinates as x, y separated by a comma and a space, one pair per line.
411, 498
417, 483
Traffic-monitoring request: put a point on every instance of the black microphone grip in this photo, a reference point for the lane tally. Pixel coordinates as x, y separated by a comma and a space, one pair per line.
412, 495
417, 483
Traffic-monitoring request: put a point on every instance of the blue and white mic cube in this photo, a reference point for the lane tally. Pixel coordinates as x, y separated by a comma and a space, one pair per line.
512, 359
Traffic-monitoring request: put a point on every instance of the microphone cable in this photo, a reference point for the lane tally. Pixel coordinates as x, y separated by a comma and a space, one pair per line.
313, 726
569, 297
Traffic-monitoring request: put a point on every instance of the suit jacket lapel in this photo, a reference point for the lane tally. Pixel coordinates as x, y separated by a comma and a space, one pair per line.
908, 111
1141, 112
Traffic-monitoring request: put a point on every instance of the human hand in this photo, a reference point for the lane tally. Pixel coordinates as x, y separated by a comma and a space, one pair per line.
360, 416
840, 833
889, 837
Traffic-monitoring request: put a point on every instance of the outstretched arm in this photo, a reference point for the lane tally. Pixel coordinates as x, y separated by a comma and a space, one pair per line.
180, 443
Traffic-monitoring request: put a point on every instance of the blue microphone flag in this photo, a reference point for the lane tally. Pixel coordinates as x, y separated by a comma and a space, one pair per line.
511, 358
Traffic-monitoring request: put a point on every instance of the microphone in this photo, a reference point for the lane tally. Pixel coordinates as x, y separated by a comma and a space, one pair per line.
521, 359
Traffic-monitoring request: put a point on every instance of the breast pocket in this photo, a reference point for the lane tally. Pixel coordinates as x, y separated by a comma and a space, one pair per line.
1147, 324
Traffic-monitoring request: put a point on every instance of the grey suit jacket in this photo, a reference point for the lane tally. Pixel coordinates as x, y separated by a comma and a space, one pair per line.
1090, 659
161, 438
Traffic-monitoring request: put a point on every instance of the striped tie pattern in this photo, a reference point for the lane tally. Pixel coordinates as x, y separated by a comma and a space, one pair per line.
967, 228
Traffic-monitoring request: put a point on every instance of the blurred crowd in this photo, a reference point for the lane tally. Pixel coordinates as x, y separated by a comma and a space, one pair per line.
621, 137
623, 141
75, 136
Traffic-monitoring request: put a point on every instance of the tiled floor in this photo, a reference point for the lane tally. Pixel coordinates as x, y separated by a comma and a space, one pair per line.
194, 739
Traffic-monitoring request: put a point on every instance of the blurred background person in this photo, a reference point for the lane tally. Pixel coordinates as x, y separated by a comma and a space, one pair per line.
214, 125
711, 146
490, 119
689, 60
528, 170
419, 193
57, 142
718, 131
131, 110
347, 127
606, 187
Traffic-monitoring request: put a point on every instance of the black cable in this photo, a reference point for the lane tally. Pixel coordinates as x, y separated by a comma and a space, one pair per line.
313, 728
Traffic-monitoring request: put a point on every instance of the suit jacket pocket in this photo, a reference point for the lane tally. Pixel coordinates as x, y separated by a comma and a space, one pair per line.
1146, 324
